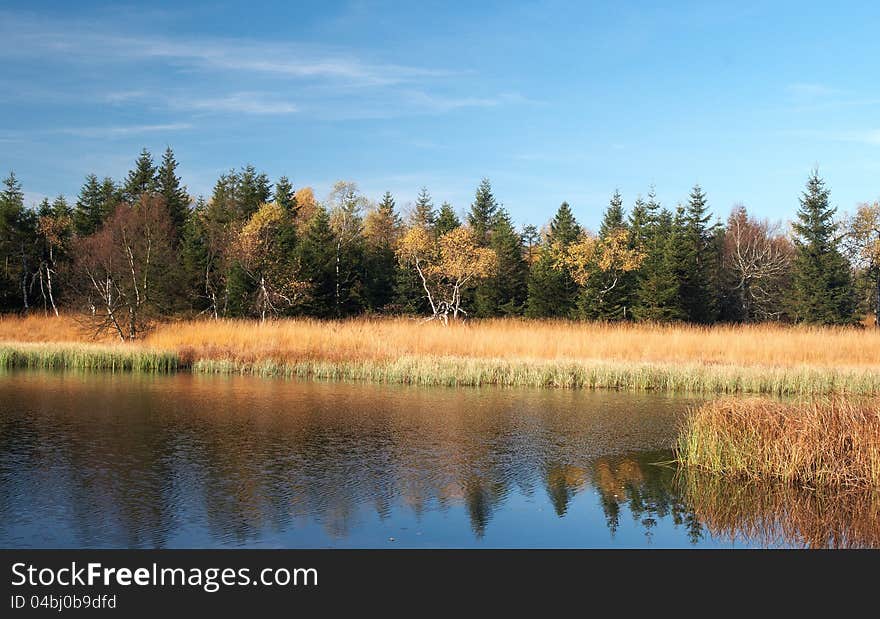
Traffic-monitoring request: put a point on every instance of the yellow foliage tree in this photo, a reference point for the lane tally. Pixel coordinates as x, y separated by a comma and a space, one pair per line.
446, 266
588, 255
262, 253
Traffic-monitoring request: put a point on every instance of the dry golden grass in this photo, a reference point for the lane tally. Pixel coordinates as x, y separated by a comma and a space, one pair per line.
759, 359
382, 339
822, 443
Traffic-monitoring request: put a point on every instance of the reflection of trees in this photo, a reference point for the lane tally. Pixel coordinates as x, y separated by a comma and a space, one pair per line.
125, 461
783, 515
646, 488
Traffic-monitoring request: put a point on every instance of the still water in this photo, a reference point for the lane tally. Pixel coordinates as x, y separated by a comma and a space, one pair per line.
203, 461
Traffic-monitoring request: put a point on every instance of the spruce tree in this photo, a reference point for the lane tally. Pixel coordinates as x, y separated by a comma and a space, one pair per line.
140, 180
447, 220
504, 293
698, 262
603, 298
657, 295
88, 215
423, 211
253, 190
15, 224
551, 291
285, 196
317, 253
613, 218
483, 210
381, 227
823, 290
177, 200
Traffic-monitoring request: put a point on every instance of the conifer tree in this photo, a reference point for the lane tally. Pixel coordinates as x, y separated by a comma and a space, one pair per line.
607, 295
177, 200
447, 220
657, 296
823, 290
698, 261
16, 226
504, 292
381, 230
551, 291
483, 210
252, 191
141, 180
317, 253
285, 195
423, 211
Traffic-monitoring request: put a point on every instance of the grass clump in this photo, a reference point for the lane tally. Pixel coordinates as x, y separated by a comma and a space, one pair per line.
826, 443
86, 357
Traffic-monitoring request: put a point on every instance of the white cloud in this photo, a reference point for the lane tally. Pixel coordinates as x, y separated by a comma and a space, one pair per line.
242, 103
121, 130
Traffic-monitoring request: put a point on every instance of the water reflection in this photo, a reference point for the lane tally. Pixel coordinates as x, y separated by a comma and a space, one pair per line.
190, 461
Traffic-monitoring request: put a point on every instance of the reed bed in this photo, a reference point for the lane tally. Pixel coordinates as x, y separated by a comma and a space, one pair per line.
764, 359
86, 357
513, 339
825, 443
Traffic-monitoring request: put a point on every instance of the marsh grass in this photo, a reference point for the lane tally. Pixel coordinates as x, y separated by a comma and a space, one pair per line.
86, 357
764, 359
822, 443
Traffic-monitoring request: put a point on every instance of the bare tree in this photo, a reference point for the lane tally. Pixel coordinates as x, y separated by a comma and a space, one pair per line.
122, 268
861, 243
758, 258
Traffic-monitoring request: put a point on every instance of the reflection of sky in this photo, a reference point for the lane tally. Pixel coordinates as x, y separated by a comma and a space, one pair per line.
188, 461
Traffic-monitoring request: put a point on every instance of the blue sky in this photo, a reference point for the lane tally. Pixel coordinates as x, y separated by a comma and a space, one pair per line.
552, 101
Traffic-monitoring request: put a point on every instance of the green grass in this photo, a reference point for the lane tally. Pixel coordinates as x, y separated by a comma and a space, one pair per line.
85, 357
681, 378
463, 371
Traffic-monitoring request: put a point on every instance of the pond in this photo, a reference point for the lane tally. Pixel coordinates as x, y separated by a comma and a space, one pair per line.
207, 461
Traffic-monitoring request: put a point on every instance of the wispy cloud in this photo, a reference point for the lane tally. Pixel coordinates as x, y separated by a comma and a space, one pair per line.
27, 37
443, 103
241, 103
812, 90
120, 131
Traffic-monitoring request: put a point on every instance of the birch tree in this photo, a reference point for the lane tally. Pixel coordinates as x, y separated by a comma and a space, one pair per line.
446, 266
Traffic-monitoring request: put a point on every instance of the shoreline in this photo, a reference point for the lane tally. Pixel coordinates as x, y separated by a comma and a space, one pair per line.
668, 377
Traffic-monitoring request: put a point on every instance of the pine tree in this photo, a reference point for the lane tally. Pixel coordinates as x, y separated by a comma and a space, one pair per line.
177, 200
504, 293
698, 261
140, 180
381, 230
609, 296
658, 288
823, 290
15, 226
551, 291
317, 253
252, 191
483, 211
196, 262
614, 216
285, 196
447, 220
423, 211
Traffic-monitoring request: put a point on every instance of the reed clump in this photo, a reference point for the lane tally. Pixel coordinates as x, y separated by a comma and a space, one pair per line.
87, 357
822, 443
